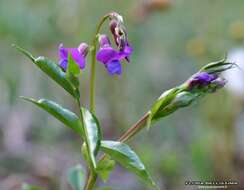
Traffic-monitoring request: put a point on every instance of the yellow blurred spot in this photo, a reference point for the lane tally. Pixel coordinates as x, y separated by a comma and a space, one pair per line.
237, 30
195, 47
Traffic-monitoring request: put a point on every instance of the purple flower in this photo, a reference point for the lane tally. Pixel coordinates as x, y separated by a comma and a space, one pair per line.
205, 82
201, 79
78, 55
110, 57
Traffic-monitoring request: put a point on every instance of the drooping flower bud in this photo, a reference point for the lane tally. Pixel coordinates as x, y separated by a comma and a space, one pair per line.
119, 33
116, 16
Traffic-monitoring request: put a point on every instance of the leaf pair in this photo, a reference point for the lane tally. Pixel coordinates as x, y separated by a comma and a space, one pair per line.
121, 153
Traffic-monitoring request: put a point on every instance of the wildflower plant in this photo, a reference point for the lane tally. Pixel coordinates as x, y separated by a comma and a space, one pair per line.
86, 124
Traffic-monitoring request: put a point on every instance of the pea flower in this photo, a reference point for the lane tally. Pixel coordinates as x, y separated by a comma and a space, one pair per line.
110, 57
206, 80
78, 55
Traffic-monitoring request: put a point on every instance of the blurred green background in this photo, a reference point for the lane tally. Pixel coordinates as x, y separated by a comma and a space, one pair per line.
171, 41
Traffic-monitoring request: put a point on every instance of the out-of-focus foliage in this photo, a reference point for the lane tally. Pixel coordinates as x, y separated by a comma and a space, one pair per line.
171, 40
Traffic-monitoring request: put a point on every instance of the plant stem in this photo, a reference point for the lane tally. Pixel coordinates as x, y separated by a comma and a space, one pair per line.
92, 177
93, 64
91, 180
138, 126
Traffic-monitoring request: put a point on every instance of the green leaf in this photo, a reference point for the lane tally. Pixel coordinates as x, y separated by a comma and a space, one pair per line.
164, 100
28, 187
182, 99
73, 67
52, 70
92, 135
76, 177
73, 72
123, 154
105, 167
64, 115
218, 66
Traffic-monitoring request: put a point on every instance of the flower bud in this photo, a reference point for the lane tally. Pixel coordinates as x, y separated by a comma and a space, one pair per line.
83, 49
116, 16
104, 41
205, 82
217, 84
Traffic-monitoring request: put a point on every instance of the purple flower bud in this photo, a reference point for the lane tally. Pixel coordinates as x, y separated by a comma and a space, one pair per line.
217, 84
78, 55
116, 16
83, 49
205, 81
201, 79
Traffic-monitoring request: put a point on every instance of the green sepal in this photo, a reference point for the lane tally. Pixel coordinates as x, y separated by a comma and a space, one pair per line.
217, 66
164, 100
105, 167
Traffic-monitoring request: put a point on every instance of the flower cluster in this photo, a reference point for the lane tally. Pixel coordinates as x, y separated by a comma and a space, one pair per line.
110, 57
207, 80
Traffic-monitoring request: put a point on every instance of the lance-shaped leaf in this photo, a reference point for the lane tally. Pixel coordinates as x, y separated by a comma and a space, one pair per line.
76, 177
123, 154
92, 135
52, 70
217, 67
64, 115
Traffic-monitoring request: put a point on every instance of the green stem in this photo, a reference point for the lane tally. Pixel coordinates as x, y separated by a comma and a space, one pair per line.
93, 64
137, 127
92, 177
91, 180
